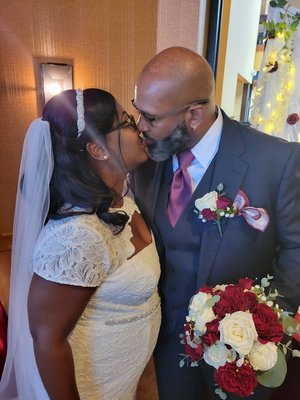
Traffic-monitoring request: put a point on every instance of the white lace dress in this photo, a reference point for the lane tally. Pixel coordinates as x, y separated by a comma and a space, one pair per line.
115, 336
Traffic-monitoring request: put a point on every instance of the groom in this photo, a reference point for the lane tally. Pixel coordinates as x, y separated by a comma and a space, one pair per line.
175, 99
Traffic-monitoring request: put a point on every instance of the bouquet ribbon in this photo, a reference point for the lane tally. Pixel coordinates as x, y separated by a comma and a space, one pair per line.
258, 218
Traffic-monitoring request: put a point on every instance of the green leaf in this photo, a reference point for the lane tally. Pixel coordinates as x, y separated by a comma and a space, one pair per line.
289, 323
273, 4
212, 301
275, 376
191, 343
221, 394
264, 282
296, 353
294, 25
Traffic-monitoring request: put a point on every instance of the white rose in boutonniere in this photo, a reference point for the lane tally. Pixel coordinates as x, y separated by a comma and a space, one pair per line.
207, 201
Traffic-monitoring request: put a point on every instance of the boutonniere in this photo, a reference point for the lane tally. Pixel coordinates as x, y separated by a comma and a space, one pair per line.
214, 206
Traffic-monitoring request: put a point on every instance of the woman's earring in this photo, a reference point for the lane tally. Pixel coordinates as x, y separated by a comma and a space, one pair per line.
105, 157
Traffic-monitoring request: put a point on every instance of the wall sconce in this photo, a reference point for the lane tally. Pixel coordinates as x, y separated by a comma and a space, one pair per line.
55, 78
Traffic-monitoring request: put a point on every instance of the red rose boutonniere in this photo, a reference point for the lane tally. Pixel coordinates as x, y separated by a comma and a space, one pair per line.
214, 206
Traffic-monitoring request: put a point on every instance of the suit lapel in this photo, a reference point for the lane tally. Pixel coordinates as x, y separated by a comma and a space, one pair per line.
229, 170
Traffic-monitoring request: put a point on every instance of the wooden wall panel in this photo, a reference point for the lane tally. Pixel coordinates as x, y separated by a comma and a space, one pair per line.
178, 24
108, 41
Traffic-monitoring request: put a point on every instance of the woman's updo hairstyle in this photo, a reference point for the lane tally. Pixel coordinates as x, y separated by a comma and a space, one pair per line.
73, 182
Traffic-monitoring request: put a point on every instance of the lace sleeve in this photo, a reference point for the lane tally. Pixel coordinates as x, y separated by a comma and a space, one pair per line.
71, 252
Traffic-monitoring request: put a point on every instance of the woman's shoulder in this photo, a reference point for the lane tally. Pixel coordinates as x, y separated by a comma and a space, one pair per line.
71, 227
73, 250
84, 231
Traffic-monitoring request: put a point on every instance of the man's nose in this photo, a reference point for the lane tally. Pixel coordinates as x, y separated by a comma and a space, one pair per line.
141, 124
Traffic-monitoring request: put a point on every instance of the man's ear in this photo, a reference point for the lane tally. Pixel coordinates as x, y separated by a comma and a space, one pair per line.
97, 151
196, 116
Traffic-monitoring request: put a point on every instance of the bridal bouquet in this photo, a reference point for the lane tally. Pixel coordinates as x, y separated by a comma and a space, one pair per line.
237, 329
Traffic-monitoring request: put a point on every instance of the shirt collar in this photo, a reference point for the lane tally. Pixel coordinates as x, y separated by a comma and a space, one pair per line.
205, 150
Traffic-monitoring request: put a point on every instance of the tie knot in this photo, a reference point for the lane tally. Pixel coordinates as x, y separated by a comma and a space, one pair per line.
185, 158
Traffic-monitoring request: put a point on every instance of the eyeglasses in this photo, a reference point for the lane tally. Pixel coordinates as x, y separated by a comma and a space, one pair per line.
153, 118
129, 122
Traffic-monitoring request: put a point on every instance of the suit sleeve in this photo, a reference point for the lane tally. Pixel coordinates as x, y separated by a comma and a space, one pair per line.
287, 262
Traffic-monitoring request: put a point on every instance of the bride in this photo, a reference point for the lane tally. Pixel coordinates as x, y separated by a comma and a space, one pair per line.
84, 311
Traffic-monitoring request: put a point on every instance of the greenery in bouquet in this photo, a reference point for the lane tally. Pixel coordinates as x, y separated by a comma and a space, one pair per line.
238, 330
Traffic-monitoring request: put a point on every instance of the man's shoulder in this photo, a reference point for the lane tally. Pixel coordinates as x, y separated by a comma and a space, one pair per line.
258, 139
142, 176
146, 170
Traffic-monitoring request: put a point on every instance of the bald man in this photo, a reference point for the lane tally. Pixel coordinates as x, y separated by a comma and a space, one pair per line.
174, 96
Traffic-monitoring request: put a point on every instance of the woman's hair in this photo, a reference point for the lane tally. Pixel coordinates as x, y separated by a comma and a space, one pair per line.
73, 180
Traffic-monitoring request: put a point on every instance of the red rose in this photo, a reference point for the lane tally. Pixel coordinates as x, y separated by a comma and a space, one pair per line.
194, 353
245, 283
238, 380
268, 328
223, 203
212, 333
292, 119
206, 289
274, 66
208, 214
234, 299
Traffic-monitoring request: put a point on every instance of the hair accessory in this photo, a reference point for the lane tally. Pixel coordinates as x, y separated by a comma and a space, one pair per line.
80, 112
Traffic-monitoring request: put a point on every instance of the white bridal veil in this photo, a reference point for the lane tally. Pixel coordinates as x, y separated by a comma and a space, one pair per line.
20, 378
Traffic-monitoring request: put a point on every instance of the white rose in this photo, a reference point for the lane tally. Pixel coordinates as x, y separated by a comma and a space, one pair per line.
199, 312
263, 356
202, 317
216, 355
199, 301
220, 287
238, 331
207, 201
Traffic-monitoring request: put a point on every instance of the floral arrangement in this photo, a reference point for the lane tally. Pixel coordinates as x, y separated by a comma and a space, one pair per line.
237, 329
214, 206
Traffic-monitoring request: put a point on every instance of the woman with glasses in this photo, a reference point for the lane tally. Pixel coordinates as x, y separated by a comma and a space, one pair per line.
84, 309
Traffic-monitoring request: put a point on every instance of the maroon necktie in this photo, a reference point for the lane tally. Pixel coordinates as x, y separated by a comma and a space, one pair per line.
181, 187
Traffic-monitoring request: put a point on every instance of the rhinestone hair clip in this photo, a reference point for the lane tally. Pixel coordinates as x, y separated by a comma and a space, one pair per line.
80, 112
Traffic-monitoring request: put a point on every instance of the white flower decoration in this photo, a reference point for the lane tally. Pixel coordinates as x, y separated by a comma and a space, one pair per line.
200, 312
209, 200
216, 355
263, 356
238, 331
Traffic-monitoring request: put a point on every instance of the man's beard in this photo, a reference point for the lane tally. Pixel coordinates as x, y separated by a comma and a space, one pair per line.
161, 150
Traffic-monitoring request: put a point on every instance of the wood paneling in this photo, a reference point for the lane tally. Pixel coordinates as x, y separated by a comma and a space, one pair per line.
178, 24
108, 42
